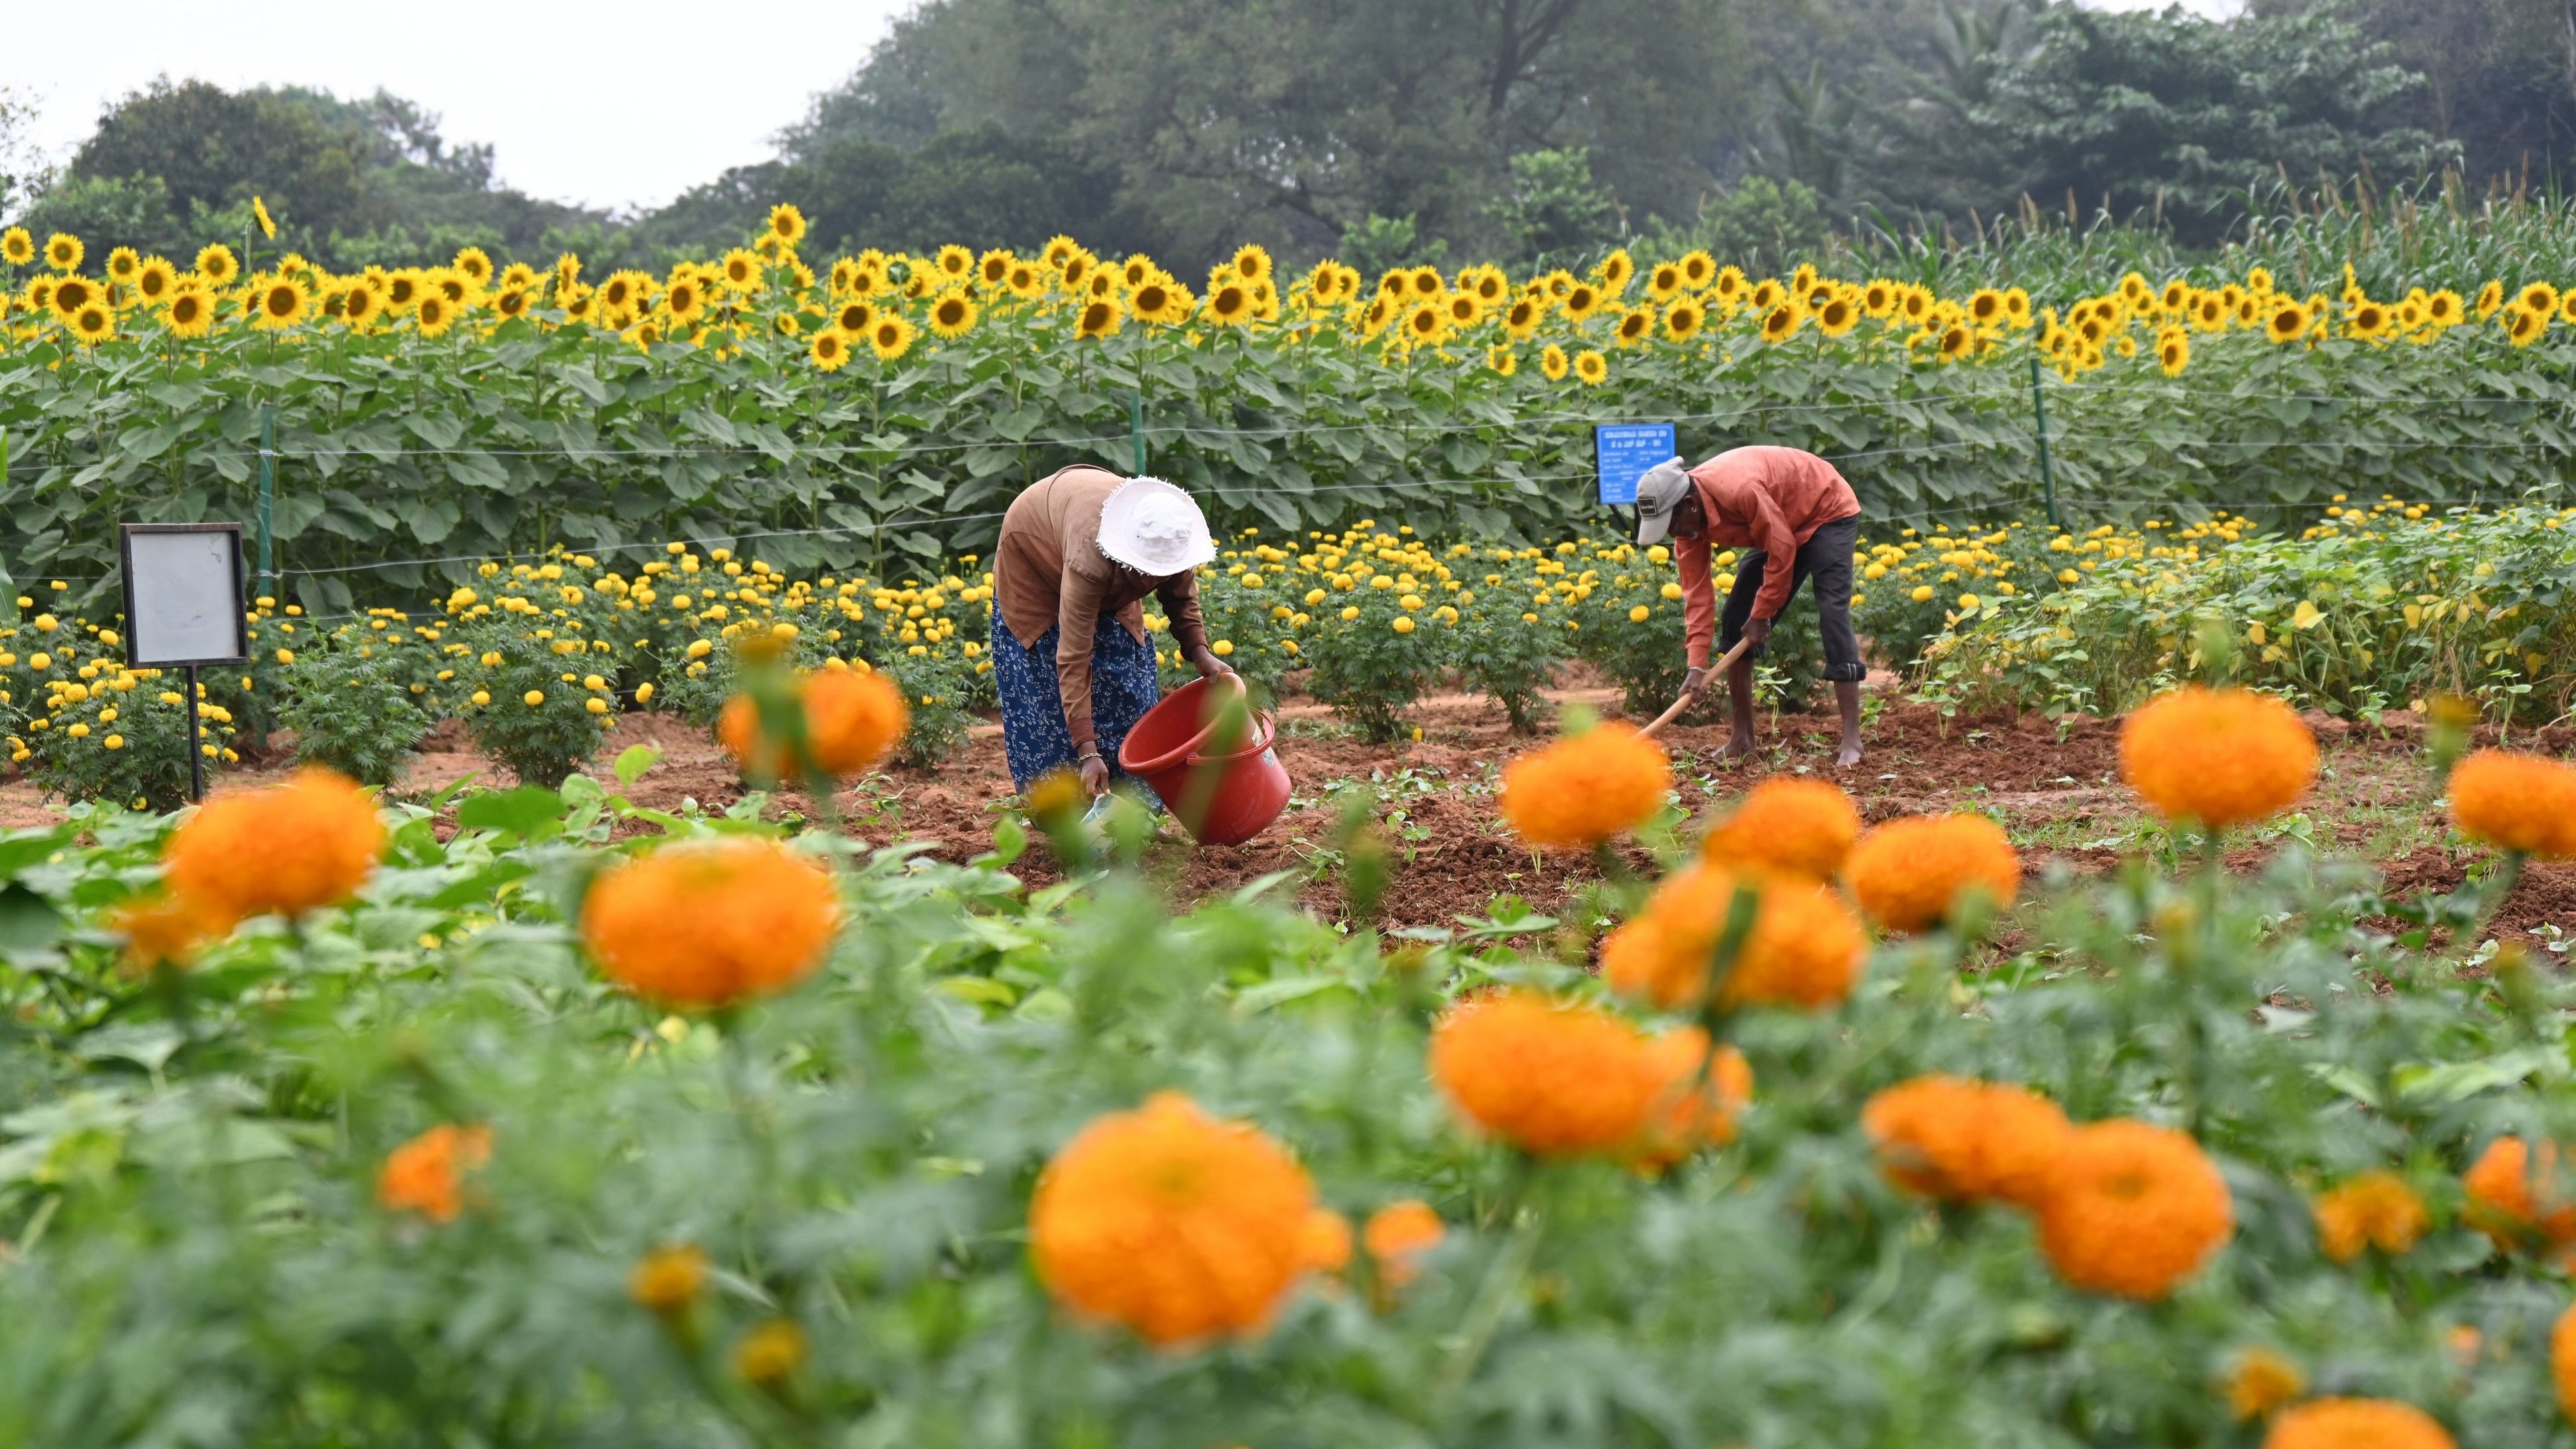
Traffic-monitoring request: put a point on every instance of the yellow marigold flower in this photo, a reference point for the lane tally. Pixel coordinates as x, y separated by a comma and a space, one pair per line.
2516, 802
706, 923
1913, 873
1397, 1235
427, 1174
533, 698
1966, 1141
667, 1280
2356, 1424
1551, 1078
1176, 1224
2374, 1209
2260, 1381
1586, 788
770, 1352
1803, 948
290, 848
2217, 757
1790, 824
1403, 624
2132, 1209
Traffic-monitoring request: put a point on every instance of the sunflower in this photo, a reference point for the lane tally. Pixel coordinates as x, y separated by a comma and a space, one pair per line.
853, 317
1683, 320
191, 313
891, 339
740, 273
360, 304
1636, 324
63, 252
2176, 296
1375, 317
1251, 263
1521, 319
1766, 295
686, 300
402, 290
1582, 301
2173, 351
154, 278
1986, 307
1957, 341
2539, 299
576, 302
788, 225
1100, 318
995, 267
2490, 297
1664, 281
2525, 328
2287, 324
1150, 301
787, 324
93, 324
17, 246
1426, 323
1838, 316
1730, 280
454, 285
1591, 366
1552, 362
511, 303
2443, 309
1878, 300
953, 315
2369, 321
70, 294
1025, 282
1229, 305
830, 350
1059, 250
1489, 285
1916, 305
1466, 309
1503, 361
435, 313
122, 263
215, 263
1782, 322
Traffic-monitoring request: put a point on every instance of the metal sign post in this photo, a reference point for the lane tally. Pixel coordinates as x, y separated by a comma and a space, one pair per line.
183, 609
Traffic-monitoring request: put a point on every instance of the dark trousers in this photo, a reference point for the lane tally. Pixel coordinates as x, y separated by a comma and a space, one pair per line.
1825, 558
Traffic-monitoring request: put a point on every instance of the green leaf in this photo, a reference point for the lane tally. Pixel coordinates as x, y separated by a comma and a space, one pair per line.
633, 761
529, 810
28, 922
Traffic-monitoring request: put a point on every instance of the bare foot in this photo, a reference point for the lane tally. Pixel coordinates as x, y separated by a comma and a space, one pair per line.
1848, 755
1739, 747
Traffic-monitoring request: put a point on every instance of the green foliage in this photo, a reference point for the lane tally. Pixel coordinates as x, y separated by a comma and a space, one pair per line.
188, 1172
123, 739
544, 697
1551, 206
1369, 666
1758, 223
357, 701
1377, 245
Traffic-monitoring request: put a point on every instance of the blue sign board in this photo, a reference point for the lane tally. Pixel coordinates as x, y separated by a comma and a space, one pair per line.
1624, 451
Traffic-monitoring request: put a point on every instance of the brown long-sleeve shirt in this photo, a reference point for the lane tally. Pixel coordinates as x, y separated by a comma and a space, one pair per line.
1773, 499
1048, 570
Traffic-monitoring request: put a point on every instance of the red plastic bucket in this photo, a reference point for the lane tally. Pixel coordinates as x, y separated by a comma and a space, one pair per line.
1220, 796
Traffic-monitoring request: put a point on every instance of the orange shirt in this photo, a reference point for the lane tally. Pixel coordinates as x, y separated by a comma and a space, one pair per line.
1773, 499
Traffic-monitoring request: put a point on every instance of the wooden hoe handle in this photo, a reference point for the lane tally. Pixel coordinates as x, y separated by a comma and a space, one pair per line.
1687, 700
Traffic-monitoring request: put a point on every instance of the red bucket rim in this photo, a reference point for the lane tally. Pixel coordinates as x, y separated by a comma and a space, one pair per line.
1187, 750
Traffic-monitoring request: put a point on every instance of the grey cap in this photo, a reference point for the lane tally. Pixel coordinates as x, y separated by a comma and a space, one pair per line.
1658, 493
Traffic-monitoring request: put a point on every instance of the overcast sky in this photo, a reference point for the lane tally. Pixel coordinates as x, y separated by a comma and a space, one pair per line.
616, 105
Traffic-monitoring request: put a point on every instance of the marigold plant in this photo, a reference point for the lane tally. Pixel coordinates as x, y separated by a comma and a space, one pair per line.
2515, 1195
2132, 1209
1171, 1222
2217, 758
2356, 1424
427, 1175
707, 923
2562, 1361
2373, 1209
1966, 1141
854, 718
1398, 1234
1702, 1094
1788, 824
2261, 1380
1801, 949
1584, 789
2516, 802
1914, 873
1551, 1078
167, 928
289, 848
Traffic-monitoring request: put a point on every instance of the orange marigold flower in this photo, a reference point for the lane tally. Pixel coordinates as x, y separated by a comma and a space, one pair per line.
770, 1352
1913, 873
2516, 802
290, 848
2511, 1197
1552, 1078
2217, 757
2261, 1380
1397, 1235
2132, 1209
1702, 1093
2376, 1208
704, 923
2356, 1424
667, 1280
1580, 791
1965, 1141
427, 1174
1327, 1241
1803, 948
853, 720
167, 929
1172, 1222
1788, 824
2562, 1361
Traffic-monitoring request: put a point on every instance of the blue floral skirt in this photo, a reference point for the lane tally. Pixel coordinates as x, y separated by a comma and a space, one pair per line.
1034, 732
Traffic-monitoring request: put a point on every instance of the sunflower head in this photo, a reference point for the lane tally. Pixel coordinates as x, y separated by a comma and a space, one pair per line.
1100, 318
2490, 297
1591, 366
891, 339
93, 323
1425, 323
63, 251
70, 294
123, 263
1552, 362
1465, 310
2288, 323
512, 302
2173, 351
1490, 286
1782, 322
1502, 360
1076, 271
17, 246
1151, 300
190, 313
953, 314
995, 268
741, 271
1059, 250
830, 350
215, 263
1615, 272
1664, 281
1838, 316
788, 225
854, 317
402, 290
435, 314
1956, 342
1582, 301
1251, 263
1683, 321
154, 279
1636, 325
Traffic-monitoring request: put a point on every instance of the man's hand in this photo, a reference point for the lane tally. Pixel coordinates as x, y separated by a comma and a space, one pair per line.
1209, 665
1757, 632
1694, 681
1095, 774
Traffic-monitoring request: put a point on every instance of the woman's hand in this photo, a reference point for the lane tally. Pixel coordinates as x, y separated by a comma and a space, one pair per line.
1209, 665
1095, 774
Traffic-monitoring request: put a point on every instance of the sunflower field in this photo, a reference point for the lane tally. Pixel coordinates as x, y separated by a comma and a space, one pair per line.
328, 1121
874, 413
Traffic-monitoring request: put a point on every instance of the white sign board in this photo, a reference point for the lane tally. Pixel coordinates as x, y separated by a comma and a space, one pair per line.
183, 595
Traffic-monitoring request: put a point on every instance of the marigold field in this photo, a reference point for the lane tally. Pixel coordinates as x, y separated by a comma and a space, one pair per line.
612, 995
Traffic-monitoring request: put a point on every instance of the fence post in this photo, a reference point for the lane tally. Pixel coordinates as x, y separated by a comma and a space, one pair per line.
267, 495
2039, 411
1136, 427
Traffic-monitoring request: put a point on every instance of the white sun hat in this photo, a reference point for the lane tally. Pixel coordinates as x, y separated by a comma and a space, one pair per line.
1155, 528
